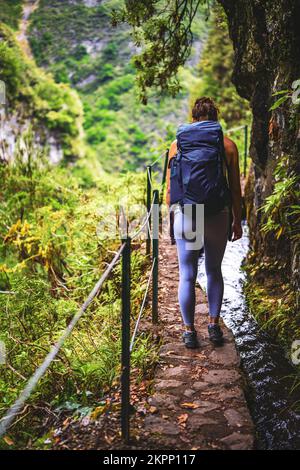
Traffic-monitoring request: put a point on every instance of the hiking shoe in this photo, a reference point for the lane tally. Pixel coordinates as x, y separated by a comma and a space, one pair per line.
215, 334
190, 339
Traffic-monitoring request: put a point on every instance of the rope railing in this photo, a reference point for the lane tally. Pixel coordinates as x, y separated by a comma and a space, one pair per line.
142, 307
149, 175
146, 221
157, 159
234, 129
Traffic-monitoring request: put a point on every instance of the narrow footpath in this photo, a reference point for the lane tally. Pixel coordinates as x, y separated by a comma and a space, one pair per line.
194, 399
28, 8
199, 401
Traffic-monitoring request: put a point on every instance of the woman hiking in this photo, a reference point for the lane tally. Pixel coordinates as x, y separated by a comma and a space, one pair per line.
202, 150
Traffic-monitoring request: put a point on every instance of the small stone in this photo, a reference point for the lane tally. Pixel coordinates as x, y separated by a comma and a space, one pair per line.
173, 372
168, 384
161, 399
171, 407
197, 422
226, 355
228, 394
200, 385
223, 376
189, 393
206, 406
238, 441
233, 417
161, 426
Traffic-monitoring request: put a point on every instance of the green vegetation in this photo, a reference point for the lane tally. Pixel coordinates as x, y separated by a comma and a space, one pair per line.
73, 23
54, 246
165, 32
289, 98
273, 306
10, 12
33, 93
272, 298
282, 209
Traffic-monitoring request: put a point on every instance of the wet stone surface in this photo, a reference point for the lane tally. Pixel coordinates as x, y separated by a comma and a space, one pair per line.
198, 394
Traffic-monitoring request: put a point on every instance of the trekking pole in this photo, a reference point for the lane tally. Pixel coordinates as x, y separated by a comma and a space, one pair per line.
155, 235
125, 370
149, 184
245, 148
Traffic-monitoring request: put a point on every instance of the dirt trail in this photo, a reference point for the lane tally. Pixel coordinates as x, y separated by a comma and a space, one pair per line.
28, 8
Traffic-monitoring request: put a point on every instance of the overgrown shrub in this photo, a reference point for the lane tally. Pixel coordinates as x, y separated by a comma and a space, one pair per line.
53, 249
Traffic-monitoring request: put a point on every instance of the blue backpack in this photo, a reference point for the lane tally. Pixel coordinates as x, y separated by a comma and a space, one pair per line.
196, 171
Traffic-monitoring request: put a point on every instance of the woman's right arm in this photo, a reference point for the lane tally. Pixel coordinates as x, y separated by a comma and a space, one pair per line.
172, 152
232, 157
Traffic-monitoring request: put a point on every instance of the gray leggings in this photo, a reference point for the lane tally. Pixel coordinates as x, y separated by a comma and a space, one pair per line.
215, 239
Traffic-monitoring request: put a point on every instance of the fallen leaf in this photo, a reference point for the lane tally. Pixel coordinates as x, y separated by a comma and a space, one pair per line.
182, 419
190, 405
153, 409
8, 440
99, 410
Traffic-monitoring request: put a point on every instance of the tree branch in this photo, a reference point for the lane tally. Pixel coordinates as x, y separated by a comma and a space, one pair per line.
166, 36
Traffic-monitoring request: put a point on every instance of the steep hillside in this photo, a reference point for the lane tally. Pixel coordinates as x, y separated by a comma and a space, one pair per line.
34, 100
11, 12
74, 40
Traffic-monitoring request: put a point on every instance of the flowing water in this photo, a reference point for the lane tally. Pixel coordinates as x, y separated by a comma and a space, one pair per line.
265, 366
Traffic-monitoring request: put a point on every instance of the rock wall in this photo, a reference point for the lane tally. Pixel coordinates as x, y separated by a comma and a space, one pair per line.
266, 41
12, 127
